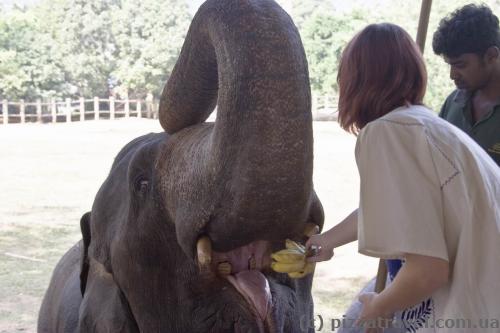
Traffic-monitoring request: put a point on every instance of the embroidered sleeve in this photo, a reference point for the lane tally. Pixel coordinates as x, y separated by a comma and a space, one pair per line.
400, 208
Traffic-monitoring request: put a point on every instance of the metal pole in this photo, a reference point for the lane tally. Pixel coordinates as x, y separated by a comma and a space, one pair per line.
423, 23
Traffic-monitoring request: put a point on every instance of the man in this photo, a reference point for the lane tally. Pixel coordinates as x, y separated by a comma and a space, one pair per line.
469, 41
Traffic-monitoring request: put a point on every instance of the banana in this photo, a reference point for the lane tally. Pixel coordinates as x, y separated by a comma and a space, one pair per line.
291, 245
309, 268
292, 260
288, 256
281, 267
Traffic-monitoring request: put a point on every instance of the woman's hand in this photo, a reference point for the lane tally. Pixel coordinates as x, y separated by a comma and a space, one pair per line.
343, 233
325, 248
372, 315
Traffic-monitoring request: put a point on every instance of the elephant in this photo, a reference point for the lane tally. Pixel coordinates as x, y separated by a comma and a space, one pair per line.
179, 236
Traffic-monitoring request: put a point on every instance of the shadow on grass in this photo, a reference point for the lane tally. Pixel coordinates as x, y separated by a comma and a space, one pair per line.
29, 253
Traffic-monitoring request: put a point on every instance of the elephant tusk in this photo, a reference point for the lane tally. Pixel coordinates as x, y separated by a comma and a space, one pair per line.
310, 229
204, 252
224, 268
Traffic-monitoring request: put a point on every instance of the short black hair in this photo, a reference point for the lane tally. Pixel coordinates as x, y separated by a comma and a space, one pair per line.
470, 29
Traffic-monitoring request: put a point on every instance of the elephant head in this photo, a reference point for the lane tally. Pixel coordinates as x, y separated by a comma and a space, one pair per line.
180, 232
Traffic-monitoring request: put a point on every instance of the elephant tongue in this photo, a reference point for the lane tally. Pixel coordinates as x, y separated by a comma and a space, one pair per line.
254, 287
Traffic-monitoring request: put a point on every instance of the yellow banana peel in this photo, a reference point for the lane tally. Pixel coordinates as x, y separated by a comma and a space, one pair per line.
288, 256
292, 260
309, 268
282, 267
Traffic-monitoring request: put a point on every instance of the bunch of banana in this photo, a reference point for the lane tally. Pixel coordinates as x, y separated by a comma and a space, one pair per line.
292, 260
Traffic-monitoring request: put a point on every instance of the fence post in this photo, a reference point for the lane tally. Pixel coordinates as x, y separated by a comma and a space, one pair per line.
127, 107
82, 109
68, 110
314, 106
327, 102
5, 109
96, 108
111, 107
139, 108
149, 105
53, 110
156, 108
38, 110
22, 111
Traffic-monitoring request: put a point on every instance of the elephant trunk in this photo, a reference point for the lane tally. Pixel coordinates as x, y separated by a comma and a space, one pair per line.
254, 166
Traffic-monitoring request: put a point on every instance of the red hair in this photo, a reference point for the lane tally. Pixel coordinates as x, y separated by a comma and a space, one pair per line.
381, 69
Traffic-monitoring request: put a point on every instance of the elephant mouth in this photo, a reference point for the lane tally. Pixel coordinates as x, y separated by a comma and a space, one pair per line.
243, 268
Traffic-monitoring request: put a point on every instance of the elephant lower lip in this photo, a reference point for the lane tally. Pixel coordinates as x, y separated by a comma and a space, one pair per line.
254, 287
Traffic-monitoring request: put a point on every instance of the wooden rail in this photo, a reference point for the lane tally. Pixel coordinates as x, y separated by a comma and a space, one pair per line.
67, 110
76, 110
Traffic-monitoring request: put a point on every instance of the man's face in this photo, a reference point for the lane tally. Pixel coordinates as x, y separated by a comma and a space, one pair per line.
469, 71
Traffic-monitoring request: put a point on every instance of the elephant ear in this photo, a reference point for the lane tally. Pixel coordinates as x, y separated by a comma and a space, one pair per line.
84, 263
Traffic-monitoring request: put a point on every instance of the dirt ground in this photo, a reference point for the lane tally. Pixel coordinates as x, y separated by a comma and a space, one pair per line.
50, 174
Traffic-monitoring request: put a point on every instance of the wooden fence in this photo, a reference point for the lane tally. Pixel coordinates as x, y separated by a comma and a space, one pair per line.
323, 108
76, 110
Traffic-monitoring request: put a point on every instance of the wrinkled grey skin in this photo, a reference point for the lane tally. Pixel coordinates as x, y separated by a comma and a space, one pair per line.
246, 177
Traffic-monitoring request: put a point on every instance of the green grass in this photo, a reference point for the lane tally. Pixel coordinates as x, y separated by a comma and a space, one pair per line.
331, 301
22, 281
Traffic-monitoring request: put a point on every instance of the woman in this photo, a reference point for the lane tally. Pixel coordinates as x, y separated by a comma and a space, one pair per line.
428, 194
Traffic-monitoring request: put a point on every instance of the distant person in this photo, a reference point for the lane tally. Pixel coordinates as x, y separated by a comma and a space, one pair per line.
428, 194
469, 41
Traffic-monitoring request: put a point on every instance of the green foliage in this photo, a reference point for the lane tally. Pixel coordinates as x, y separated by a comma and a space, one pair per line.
25, 53
82, 30
69, 48
147, 45
325, 35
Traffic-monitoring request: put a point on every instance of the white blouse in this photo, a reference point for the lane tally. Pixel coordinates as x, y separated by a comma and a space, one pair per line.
428, 189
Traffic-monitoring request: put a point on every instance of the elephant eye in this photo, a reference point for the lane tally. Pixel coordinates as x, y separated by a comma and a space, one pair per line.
142, 186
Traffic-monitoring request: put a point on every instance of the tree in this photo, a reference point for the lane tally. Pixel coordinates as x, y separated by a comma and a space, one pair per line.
25, 58
301, 11
148, 35
82, 31
68, 48
325, 36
